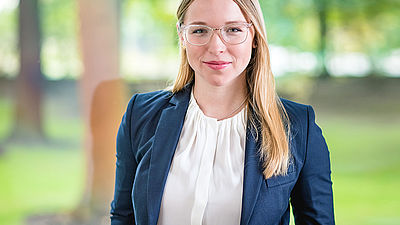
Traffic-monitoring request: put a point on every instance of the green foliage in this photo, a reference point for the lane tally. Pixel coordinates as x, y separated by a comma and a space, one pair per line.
59, 25
353, 25
368, 26
153, 23
8, 43
291, 23
59, 19
371, 25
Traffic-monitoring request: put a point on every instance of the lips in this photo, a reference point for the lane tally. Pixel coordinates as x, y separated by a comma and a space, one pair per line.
217, 65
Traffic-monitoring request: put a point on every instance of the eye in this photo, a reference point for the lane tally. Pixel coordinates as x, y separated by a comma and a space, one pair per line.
234, 29
198, 31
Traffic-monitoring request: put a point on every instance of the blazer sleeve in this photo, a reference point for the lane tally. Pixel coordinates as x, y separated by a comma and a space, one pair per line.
122, 207
312, 197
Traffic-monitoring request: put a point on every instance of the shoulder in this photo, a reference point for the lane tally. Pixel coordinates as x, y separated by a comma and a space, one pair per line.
301, 117
298, 113
294, 107
144, 106
150, 101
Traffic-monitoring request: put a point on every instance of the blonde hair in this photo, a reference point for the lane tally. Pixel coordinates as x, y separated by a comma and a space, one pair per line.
266, 112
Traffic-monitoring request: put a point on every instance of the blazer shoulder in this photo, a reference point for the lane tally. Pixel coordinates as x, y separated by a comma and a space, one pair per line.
297, 112
150, 101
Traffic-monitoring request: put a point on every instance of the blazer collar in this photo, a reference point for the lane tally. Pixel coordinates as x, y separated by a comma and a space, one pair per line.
165, 141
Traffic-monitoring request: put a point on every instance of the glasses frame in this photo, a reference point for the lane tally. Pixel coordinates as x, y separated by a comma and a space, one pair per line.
184, 28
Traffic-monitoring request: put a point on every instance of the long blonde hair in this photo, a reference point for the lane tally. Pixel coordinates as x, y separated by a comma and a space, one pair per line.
266, 112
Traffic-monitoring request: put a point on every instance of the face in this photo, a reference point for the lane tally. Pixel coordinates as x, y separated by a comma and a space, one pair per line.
217, 63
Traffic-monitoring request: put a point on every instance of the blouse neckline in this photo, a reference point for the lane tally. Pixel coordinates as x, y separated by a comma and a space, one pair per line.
193, 104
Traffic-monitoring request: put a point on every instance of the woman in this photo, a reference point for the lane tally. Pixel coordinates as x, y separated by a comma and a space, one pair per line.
221, 147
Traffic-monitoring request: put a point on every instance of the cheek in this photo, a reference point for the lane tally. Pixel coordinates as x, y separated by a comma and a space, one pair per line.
193, 56
190, 58
243, 55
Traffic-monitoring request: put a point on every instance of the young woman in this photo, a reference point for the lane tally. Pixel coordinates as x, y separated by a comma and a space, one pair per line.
221, 147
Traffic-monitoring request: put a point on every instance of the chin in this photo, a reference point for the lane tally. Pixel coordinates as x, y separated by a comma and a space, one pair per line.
218, 80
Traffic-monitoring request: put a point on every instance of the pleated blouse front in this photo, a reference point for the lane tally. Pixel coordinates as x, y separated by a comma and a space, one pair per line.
205, 181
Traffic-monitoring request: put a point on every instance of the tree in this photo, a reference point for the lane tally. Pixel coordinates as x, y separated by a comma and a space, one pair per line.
102, 95
370, 27
300, 24
322, 8
28, 120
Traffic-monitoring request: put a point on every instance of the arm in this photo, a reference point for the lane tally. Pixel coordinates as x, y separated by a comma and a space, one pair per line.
121, 206
312, 197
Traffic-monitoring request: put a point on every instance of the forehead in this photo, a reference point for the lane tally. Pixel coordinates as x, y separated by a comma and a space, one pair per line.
213, 12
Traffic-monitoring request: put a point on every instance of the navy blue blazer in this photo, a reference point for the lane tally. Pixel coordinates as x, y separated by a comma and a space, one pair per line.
146, 142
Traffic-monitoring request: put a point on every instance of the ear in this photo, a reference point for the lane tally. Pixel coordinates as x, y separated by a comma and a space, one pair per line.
181, 39
254, 36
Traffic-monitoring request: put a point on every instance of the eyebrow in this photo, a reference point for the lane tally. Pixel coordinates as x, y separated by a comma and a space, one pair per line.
228, 22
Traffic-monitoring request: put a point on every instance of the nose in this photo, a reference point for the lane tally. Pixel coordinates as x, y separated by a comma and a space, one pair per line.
216, 45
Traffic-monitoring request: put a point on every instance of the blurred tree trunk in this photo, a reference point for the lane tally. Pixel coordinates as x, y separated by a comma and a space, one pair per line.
28, 121
103, 100
322, 9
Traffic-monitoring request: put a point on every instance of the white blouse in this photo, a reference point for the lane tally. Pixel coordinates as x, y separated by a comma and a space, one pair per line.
205, 181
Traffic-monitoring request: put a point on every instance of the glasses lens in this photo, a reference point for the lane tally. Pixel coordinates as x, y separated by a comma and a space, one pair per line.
234, 33
231, 33
198, 34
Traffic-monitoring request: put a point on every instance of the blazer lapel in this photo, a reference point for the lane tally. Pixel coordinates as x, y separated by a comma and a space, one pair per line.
252, 177
165, 141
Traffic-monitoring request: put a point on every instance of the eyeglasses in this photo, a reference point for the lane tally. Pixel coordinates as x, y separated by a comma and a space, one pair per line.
234, 34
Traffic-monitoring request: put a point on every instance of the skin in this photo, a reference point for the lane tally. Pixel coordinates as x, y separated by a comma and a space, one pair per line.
218, 92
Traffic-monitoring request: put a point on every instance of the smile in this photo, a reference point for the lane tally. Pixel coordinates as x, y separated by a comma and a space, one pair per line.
217, 65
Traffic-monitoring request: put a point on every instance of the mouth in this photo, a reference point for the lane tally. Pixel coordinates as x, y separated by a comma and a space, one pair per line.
217, 65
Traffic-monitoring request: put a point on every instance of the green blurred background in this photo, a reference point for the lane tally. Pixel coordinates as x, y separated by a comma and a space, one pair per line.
340, 56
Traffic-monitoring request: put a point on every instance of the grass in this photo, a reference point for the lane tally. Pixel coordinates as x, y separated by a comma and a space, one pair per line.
365, 155
5, 117
40, 178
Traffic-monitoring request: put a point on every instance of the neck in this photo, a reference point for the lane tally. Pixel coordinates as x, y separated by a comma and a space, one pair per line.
221, 102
